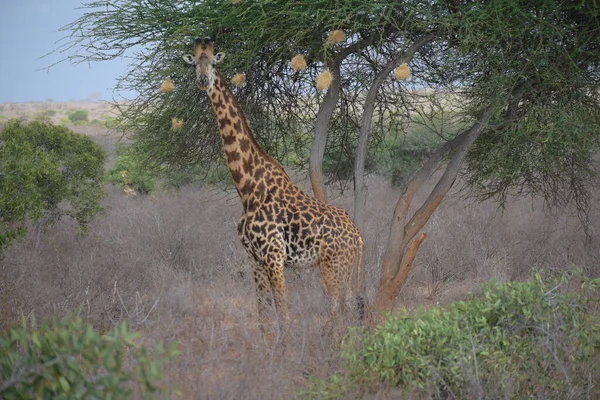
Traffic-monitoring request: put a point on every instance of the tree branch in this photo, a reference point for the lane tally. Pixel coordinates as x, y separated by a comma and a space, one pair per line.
394, 250
360, 197
409, 257
440, 190
321, 128
361, 44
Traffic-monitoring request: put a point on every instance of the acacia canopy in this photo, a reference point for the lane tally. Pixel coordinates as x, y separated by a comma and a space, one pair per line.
533, 64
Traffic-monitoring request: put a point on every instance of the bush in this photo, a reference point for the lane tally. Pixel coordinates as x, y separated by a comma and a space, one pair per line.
133, 174
71, 360
130, 173
47, 172
45, 115
518, 340
110, 123
78, 116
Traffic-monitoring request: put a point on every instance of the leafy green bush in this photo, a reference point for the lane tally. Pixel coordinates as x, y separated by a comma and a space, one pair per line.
71, 360
130, 173
110, 123
518, 340
78, 116
47, 172
44, 115
402, 158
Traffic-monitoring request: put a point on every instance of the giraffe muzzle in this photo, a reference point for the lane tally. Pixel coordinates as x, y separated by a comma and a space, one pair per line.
202, 82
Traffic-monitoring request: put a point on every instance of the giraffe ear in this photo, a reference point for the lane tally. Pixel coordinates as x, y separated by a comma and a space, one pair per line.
219, 57
188, 58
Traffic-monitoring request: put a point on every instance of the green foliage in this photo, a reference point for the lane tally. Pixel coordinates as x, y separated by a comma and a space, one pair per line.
520, 339
69, 359
133, 173
130, 173
403, 154
110, 123
541, 77
47, 172
535, 64
44, 115
280, 104
78, 117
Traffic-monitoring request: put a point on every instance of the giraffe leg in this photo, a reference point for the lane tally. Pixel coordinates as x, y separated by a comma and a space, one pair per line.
336, 281
270, 285
333, 293
264, 296
274, 263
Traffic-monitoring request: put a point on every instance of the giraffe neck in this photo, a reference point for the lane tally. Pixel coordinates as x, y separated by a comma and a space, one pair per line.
248, 163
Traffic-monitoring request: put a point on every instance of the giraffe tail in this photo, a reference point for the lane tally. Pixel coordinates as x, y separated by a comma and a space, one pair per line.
360, 292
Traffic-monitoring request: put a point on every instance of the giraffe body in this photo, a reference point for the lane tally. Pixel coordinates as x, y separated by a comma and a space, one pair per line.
281, 226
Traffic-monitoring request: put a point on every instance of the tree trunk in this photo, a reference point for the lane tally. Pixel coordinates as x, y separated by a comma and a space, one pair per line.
402, 246
328, 107
321, 127
360, 189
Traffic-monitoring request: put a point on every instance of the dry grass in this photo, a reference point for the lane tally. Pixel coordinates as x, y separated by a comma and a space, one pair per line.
172, 265
97, 110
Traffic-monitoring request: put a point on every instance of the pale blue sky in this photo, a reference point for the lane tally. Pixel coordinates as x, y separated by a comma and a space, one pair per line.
28, 31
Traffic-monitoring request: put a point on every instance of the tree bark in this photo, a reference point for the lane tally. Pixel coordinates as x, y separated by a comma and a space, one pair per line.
321, 127
360, 188
327, 108
401, 248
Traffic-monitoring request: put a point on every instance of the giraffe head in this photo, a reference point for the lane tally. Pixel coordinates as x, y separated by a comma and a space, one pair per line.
204, 61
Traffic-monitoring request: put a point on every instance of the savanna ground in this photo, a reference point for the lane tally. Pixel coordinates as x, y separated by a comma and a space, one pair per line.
171, 264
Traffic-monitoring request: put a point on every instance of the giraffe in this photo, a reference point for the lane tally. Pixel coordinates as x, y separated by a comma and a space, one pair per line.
281, 226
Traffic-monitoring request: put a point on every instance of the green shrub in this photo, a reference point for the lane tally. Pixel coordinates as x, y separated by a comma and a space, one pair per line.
70, 360
78, 116
338, 165
45, 115
133, 175
518, 340
110, 123
130, 173
47, 172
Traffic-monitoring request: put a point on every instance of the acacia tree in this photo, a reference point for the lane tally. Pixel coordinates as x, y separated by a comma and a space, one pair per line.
521, 77
528, 74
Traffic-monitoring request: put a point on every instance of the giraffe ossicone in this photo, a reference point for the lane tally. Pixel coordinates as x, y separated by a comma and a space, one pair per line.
281, 226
